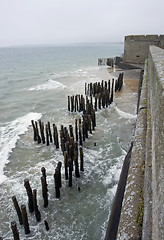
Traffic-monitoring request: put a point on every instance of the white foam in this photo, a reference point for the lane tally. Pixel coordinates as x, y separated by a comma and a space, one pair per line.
9, 134
48, 85
125, 114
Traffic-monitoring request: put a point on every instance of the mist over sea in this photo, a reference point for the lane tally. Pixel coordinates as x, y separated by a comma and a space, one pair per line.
34, 84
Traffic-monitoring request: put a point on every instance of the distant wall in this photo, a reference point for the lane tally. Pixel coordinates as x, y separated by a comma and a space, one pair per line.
136, 47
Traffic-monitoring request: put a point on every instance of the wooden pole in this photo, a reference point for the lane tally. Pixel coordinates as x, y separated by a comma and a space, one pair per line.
15, 230
76, 130
29, 194
37, 132
111, 99
59, 168
99, 100
49, 131
56, 180
95, 102
25, 219
69, 103
66, 164
83, 130
46, 225
80, 135
17, 208
89, 124
44, 187
47, 135
41, 125
77, 174
81, 159
70, 172
34, 129
37, 212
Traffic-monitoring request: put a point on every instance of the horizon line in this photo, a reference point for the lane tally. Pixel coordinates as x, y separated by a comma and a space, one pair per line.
60, 44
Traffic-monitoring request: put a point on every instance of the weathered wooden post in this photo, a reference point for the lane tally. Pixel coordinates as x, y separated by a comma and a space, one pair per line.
90, 89
76, 103
34, 129
41, 126
37, 132
83, 130
37, 212
59, 177
80, 135
63, 145
55, 135
106, 85
103, 99
70, 171
102, 86
99, 100
49, 131
111, 99
85, 119
95, 102
71, 154
44, 187
76, 130
56, 180
46, 225
89, 124
66, 164
77, 174
69, 103
71, 131
109, 86
15, 230
25, 219
29, 194
72, 103
81, 159
93, 119
116, 85
17, 208
47, 135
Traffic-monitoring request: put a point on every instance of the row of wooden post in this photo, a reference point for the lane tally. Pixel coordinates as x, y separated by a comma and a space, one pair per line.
69, 145
43, 134
91, 89
87, 124
99, 95
69, 158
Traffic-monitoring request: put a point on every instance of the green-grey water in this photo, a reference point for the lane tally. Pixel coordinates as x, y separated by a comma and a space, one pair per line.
35, 83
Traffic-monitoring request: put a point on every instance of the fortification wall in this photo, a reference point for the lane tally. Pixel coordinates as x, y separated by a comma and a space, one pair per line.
142, 214
136, 47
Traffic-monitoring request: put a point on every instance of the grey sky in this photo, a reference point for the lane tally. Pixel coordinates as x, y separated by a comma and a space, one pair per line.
71, 21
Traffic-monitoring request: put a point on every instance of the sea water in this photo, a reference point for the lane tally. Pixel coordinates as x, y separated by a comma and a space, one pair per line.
34, 84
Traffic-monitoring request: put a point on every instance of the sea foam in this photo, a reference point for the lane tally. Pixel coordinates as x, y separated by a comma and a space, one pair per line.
48, 85
125, 114
10, 133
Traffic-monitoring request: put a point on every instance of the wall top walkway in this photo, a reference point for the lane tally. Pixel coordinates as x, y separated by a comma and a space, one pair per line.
158, 59
144, 37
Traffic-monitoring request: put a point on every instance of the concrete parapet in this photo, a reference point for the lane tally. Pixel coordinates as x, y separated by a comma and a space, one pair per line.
156, 92
142, 214
131, 214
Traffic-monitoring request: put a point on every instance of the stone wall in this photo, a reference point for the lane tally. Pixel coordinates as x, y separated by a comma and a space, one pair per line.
142, 214
136, 47
156, 99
